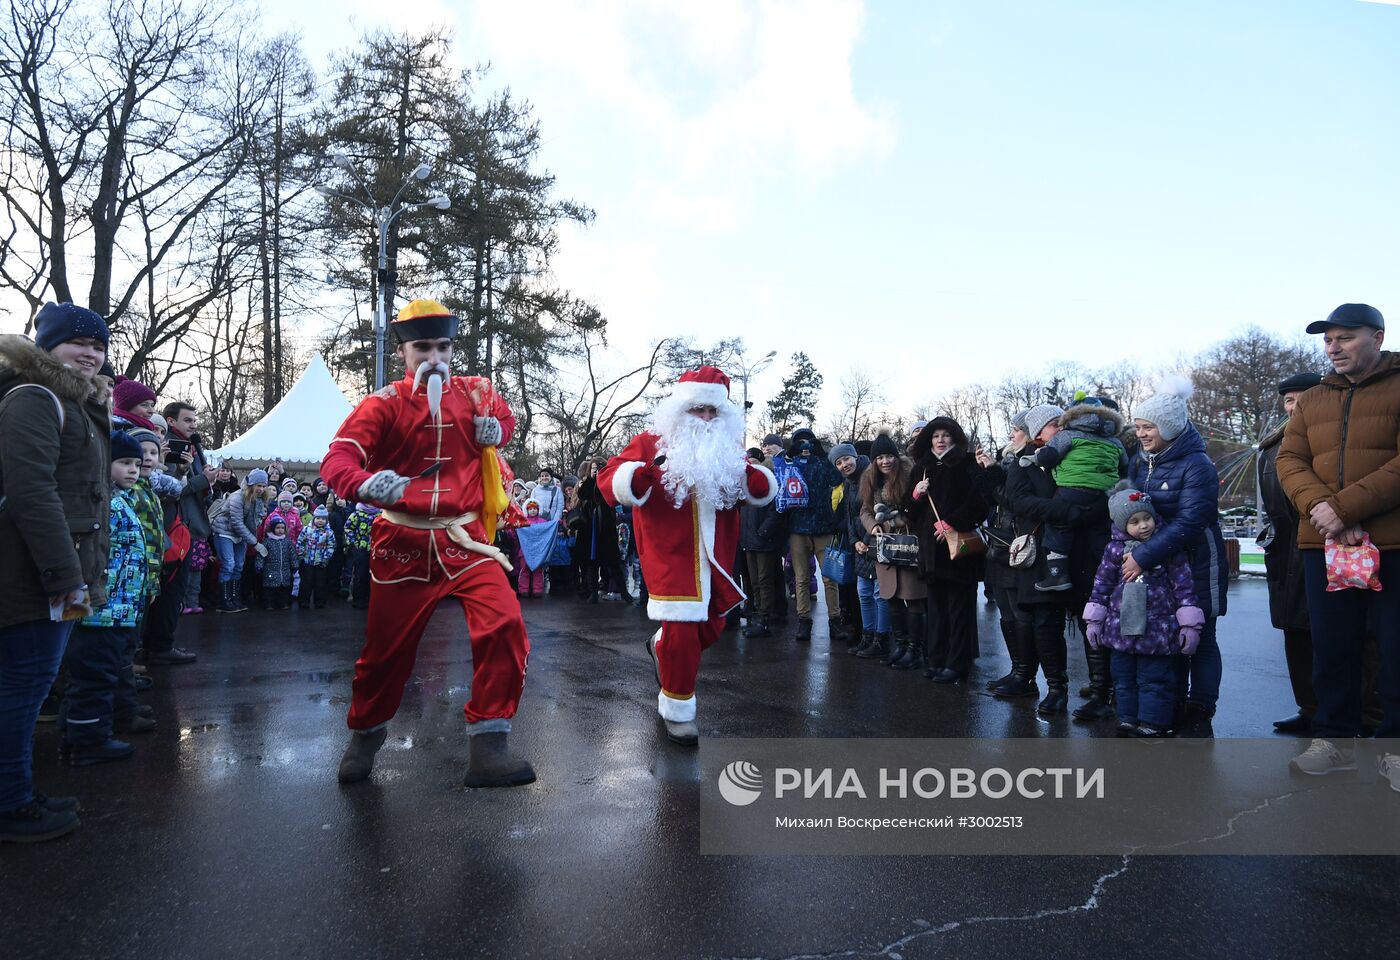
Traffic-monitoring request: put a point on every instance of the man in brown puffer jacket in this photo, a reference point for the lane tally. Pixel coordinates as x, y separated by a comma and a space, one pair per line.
1340, 465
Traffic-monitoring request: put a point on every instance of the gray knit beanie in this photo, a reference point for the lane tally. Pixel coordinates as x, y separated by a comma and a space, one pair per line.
839, 451
1123, 504
1166, 409
1018, 420
1039, 415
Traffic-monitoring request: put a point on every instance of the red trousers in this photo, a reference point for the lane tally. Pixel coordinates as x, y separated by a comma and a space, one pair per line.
398, 615
678, 653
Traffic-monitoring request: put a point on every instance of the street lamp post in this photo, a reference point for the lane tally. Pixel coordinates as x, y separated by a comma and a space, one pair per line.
743, 372
384, 218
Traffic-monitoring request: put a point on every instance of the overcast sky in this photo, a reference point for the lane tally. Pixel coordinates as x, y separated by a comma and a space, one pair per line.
940, 191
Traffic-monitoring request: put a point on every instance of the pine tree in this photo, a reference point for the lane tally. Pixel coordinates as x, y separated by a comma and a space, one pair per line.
795, 403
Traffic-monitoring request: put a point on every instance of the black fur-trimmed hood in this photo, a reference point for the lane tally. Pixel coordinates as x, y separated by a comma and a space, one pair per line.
21, 360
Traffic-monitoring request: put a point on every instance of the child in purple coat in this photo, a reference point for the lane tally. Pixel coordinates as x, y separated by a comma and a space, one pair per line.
1146, 623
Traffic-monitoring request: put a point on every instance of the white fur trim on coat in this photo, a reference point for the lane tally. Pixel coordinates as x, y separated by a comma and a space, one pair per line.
772, 486
622, 484
677, 711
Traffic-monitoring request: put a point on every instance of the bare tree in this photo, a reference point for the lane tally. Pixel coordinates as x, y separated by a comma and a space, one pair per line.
598, 415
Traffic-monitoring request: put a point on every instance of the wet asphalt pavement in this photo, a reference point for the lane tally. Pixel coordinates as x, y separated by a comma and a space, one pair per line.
228, 836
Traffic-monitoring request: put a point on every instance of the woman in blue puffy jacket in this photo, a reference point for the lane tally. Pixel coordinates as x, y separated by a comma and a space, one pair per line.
1173, 468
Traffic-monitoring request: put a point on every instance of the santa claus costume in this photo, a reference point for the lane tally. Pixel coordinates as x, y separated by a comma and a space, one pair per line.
684, 480
424, 449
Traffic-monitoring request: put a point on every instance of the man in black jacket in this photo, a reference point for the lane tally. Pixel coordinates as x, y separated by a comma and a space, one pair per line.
163, 615
762, 537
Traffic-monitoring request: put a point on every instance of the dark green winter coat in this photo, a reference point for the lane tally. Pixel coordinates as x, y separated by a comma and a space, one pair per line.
55, 483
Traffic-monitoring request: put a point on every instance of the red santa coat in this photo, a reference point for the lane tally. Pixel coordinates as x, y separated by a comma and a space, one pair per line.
393, 430
687, 552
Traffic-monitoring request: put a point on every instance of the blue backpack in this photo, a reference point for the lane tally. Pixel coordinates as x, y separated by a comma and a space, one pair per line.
792, 486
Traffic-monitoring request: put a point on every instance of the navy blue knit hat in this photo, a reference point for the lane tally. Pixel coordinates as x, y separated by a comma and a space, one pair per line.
124, 446
60, 322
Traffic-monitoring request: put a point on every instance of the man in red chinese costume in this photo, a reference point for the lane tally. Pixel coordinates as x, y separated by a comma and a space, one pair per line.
424, 449
684, 480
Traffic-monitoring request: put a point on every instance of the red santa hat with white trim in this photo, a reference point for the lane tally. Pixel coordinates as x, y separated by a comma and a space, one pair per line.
707, 386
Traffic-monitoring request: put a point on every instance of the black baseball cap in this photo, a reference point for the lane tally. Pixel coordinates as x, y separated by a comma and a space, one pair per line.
1350, 315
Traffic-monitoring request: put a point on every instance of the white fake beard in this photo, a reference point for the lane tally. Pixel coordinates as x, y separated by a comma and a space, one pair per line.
436, 373
707, 455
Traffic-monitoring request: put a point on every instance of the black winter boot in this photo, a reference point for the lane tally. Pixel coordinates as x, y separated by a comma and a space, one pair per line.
1021, 684
866, 639
757, 628
1099, 706
835, 629
804, 630
1057, 569
492, 765
1050, 644
1024, 664
877, 649
914, 658
899, 625
1008, 636
1196, 723
898, 645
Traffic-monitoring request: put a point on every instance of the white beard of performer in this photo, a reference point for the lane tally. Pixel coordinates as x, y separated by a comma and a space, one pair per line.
437, 374
707, 455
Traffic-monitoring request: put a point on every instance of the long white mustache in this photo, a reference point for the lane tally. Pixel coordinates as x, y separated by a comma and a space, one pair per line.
436, 374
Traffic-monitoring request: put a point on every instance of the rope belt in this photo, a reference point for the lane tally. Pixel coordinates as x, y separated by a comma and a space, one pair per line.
456, 528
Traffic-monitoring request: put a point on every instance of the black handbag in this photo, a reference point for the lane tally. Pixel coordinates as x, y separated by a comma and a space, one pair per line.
897, 549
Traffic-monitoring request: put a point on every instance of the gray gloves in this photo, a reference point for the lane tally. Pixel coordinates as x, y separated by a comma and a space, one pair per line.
488, 431
384, 488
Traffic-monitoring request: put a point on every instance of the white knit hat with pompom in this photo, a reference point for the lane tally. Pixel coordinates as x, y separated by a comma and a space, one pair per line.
1166, 409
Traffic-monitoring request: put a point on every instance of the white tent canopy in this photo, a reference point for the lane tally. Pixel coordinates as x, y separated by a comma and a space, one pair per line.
300, 428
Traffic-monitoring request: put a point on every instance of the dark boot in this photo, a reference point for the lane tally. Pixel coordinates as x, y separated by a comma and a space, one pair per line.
1008, 636
835, 629
358, 760
1196, 723
1024, 664
914, 658
492, 765
1099, 706
1050, 644
804, 630
1021, 684
226, 604
877, 649
898, 645
1057, 579
87, 755
36, 822
866, 638
757, 628
899, 625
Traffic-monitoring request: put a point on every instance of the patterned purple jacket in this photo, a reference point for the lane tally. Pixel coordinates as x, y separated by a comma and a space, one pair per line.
1169, 588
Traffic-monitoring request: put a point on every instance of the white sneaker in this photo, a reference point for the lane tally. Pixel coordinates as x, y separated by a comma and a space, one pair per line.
1388, 766
1323, 756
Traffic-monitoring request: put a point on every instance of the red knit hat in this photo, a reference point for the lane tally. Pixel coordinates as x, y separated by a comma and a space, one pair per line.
129, 393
